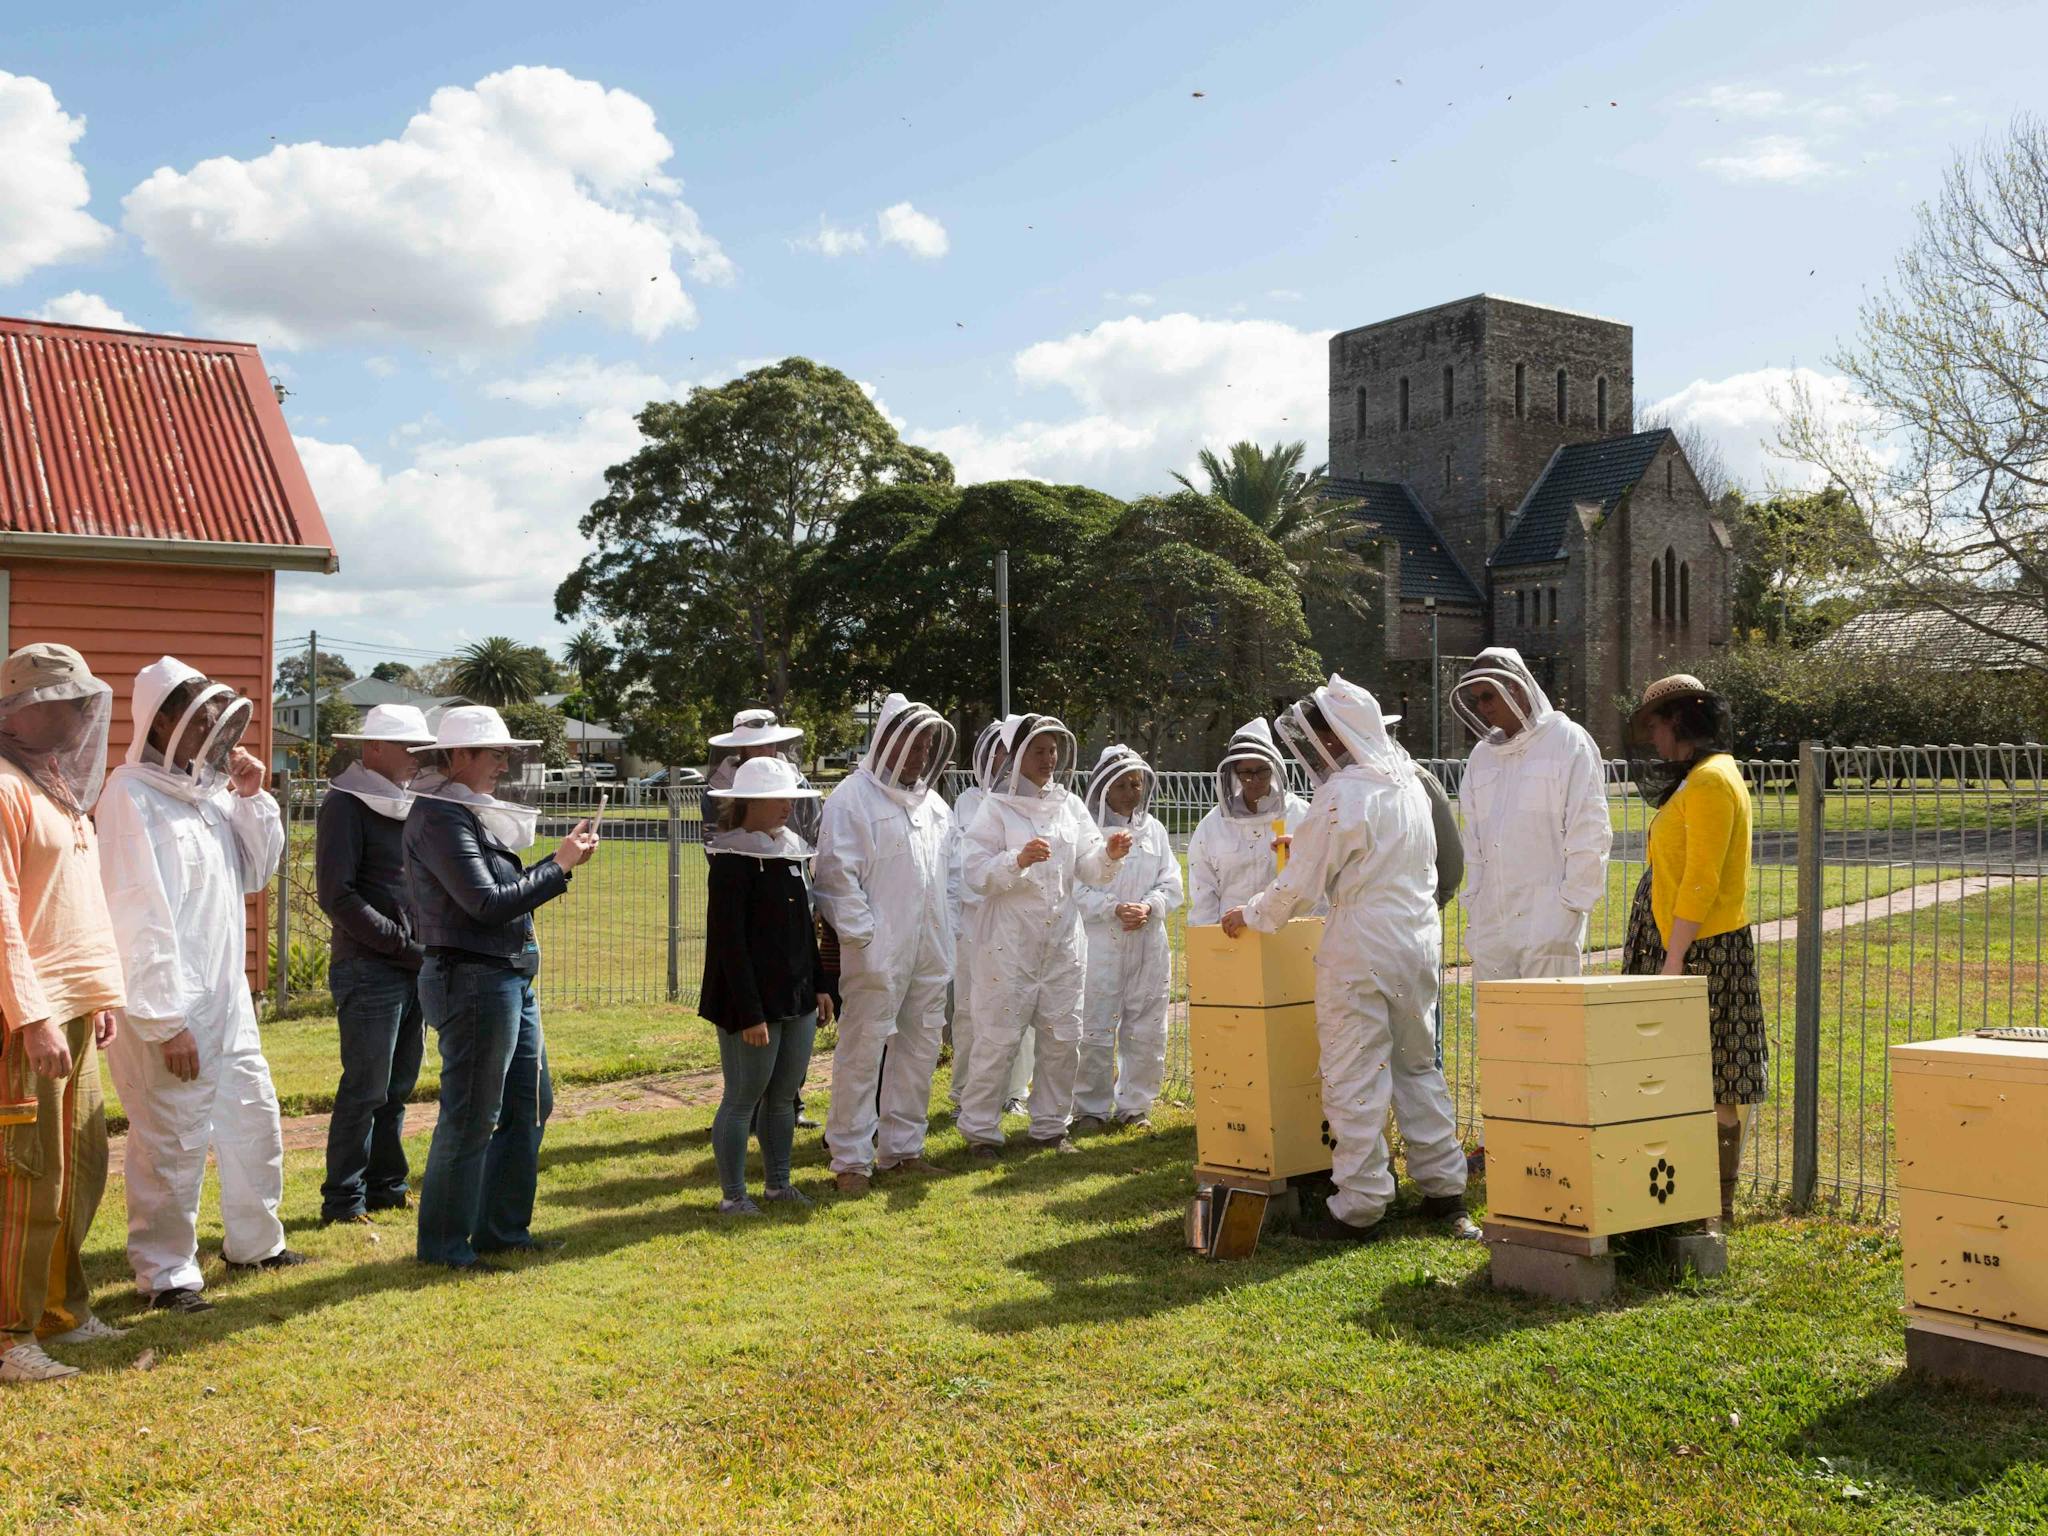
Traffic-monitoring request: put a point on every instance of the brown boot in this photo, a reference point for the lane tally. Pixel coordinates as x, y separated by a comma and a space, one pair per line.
1731, 1163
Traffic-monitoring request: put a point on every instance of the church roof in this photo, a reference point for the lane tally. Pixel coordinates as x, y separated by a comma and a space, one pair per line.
1428, 568
1599, 473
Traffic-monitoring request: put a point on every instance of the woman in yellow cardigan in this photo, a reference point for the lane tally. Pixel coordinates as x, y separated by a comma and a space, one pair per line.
1691, 911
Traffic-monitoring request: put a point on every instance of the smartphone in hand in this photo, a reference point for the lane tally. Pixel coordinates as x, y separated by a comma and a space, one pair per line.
604, 798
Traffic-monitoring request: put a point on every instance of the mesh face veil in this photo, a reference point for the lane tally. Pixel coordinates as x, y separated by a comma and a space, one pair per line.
202, 743
1512, 687
911, 749
1029, 730
1309, 749
1116, 764
57, 735
1247, 751
987, 750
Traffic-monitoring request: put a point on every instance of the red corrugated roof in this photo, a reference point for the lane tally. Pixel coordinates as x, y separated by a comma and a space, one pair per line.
123, 434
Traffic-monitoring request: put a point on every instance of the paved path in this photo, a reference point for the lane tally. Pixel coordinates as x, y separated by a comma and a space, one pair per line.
667, 1090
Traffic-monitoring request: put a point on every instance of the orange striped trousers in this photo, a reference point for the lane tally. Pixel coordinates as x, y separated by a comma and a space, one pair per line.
53, 1171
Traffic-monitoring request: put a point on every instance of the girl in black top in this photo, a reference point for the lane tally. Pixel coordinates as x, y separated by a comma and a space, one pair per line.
763, 987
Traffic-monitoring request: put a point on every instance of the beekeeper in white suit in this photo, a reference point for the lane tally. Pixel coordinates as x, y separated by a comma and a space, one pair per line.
961, 903
1030, 845
186, 832
1367, 845
1231, 856
880, 878
1537, 831
1123, 1014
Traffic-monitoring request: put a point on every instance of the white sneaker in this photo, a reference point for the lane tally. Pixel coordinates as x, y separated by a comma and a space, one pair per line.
94, 1330
27, 1362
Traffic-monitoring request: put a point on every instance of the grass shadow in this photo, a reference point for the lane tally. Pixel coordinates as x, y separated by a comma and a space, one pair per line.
1946, 1442
1464, 1314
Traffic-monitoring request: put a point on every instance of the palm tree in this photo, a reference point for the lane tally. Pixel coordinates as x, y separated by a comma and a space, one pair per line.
497, 671
587, 653
1285, 502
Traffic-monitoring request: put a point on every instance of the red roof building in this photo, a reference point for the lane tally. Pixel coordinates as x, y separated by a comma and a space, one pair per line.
149, 494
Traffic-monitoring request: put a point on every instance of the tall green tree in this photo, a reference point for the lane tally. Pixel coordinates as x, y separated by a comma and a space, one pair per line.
394, 672
1285, 502
1798, 559
586, 652
497, 671
702, 534
292, 671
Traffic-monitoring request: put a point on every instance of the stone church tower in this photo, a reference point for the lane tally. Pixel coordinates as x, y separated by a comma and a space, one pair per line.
1489, 444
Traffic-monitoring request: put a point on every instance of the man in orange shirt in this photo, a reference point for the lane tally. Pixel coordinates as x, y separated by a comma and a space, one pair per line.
60, 984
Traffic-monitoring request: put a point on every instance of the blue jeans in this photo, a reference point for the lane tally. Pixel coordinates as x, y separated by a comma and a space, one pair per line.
378, 1005
484, 1163
764, 1076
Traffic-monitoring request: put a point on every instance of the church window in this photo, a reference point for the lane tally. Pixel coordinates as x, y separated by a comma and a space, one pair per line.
1447, 471
1360, 404
1404, 404
1667, 477
1521, 390
1449, 393
1553, 607
1684, 595
1670, 586
1600, 400
1561, 397
1521, 610
1656, 591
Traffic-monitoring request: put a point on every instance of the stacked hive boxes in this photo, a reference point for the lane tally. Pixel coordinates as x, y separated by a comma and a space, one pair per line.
1972, 1117
1257, 1075
1598, 1097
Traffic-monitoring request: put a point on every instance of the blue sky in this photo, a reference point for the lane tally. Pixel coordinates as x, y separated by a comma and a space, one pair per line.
474, 238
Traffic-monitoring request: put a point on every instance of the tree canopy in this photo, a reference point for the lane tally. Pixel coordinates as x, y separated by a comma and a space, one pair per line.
499, 671
292, 671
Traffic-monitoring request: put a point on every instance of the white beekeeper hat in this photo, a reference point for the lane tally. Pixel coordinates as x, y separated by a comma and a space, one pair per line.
473, 725
766, 778
392, 722
756, 728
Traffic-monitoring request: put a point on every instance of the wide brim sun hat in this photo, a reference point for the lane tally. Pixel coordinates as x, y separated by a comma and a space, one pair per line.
474, 725
766, 778
1680, 685
392, 722
757, 736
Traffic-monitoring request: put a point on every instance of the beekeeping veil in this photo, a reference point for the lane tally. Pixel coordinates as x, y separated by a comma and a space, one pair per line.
911, 747
54, 716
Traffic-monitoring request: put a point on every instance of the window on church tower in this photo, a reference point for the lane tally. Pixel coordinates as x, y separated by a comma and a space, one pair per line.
1667, 476
1670, 586
1600, 401
1521, 390
1449, 393
1447, 471
1656, 591
1684, 595
1404, 405
1553, 607
1521, 610
1361, 408
1561, 397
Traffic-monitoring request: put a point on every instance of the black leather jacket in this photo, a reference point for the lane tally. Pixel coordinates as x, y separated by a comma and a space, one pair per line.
467, 889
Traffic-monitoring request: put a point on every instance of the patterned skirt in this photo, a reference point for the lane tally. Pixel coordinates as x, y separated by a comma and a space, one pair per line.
1735, 1000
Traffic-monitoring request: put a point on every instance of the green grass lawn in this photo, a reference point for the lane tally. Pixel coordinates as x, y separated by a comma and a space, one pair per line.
1024, 1348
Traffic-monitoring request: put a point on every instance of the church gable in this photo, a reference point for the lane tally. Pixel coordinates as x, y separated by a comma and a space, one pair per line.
1582, 484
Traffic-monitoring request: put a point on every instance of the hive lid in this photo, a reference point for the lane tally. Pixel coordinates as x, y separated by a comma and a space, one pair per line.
1590, 991
2019, 1059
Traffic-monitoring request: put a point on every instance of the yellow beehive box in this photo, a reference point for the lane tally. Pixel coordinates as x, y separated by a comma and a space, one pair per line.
1593, 1020
1254, 970
1572, 1093
1982, 1258
1269, 1132
1604, 1179
1972, 1117
1246, 1048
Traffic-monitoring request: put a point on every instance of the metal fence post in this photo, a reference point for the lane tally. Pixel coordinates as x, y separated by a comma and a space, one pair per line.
675, 887
1806, 984
280, 972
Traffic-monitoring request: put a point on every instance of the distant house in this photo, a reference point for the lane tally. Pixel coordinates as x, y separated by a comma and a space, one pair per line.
149, 495
1939, 640
294, 712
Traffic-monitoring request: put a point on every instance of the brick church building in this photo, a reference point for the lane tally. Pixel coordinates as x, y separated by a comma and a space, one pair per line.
1490, 445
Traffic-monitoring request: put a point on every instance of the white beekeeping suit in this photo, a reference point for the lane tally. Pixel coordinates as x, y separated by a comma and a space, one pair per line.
1123, 1016
178, 853
880, 880
1231, 855
963, 902
1537, 831
1029, 847
1368, 847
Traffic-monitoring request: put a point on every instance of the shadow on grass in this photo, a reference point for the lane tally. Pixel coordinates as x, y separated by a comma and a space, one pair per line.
1946, 1442
1467, 1314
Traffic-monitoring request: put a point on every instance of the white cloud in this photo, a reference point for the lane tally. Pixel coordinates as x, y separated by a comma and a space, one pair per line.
1151, 393
1135, 300
381, 367
533, 196
918, 233
1284, 295
1741, 414
1775, 157
43, 190
833, 239
79, 308
583, 383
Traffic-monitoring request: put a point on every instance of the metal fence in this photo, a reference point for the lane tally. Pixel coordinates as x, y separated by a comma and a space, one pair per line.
1895, 892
